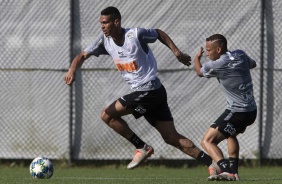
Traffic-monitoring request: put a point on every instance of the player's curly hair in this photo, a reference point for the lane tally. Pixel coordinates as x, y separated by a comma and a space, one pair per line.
220, 39
112, 11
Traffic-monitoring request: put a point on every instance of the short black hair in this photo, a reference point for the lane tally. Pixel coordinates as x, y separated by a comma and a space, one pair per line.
222, 41
112, 11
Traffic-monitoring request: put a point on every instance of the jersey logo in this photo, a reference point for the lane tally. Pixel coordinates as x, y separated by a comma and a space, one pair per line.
121, 54
128, 67
235, 63
244, 86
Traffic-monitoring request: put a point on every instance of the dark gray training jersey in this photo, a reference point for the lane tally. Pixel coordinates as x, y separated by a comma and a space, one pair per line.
232, 70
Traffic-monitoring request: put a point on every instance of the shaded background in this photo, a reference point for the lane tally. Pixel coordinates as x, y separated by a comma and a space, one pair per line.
40, 115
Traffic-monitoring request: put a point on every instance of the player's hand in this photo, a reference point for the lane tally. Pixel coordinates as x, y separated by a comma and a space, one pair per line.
200, 52
69, 77
184, 59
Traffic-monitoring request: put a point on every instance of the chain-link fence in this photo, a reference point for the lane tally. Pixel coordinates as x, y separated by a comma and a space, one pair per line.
40, 115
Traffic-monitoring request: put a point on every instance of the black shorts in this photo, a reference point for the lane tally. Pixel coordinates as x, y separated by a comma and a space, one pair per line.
230, 123
150, 104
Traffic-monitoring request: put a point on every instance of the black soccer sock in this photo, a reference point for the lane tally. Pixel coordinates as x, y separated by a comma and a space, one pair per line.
234, 163
204, 158
224, 165
136, 141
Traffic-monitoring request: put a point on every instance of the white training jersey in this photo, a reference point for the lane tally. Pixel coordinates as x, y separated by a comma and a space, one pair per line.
134, 59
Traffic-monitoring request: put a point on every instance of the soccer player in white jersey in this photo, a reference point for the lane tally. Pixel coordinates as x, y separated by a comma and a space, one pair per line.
134, 59
232, 69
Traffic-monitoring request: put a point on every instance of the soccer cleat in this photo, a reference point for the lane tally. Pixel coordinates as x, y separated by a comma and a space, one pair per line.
225, 176
140, 156
213, 178
237, 177
214, 171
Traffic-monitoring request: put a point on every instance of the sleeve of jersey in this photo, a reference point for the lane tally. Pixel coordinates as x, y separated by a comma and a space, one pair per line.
208, 69
97, 47
252, 63
147, 35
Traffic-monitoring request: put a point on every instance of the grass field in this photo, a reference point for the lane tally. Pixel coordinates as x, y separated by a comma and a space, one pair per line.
142, 175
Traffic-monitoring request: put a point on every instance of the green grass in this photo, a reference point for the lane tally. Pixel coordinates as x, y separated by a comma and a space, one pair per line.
142, 175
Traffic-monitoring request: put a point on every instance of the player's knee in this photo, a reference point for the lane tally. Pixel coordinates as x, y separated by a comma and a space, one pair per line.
105, 117
204, 143
186, 143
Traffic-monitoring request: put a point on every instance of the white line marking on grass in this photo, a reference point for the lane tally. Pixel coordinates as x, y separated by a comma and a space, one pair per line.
105, 178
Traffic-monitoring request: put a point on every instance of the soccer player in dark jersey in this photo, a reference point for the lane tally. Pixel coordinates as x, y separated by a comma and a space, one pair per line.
134, 59
232, 69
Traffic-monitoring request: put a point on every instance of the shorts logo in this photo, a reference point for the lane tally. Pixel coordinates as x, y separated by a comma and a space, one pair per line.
140, 109
122, 98
229, 129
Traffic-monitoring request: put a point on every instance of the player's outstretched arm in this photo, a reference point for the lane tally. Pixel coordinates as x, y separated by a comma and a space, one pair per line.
76, 63
197, 62
166, 40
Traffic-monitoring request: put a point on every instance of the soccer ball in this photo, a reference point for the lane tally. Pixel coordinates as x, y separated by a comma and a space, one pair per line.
41, 167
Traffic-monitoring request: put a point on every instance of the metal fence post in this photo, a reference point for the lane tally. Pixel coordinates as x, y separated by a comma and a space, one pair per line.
261, 81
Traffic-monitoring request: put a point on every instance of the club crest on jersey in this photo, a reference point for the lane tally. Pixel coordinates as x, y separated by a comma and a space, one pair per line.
140, 109
130, 35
